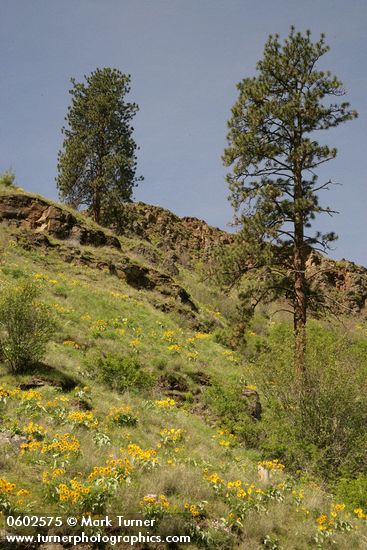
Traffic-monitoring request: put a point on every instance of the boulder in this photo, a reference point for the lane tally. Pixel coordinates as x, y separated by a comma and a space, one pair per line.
173, 381
11, 441
253, 402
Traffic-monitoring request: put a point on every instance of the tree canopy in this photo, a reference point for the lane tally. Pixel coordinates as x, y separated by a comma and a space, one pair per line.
97, 162
274, 153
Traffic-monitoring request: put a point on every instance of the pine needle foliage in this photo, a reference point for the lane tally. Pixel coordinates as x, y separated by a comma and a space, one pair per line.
274, 155
97, 162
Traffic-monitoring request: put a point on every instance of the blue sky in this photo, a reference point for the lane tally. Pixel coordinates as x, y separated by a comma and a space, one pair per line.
185, 58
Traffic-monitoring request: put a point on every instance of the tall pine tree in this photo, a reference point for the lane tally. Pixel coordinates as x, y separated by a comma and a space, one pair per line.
97, 163
274, 153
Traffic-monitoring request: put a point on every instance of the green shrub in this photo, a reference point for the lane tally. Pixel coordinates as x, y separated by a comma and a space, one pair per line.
318, 423
26, 326
14, 272
118, 371
233, 411
7, 178
353, 492
223, 336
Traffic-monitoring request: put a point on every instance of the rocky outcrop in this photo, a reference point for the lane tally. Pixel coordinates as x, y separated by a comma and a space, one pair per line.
141, 277
170, 242
172, 296
252, 400
187, 238
35, 214
343, 283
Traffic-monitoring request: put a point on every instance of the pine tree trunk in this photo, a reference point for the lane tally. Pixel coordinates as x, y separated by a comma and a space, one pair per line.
300, 309
97, 206
97, 192
300, 296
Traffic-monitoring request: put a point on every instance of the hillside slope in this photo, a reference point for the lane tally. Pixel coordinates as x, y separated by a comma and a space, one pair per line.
190, 241
157, 237
137, 407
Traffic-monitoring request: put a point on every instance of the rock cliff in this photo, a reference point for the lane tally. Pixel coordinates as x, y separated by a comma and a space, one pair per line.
171, 242
189, 238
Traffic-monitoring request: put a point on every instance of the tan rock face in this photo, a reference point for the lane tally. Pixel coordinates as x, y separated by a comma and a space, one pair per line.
344, 282
37, 219
182, 241
35, 214
191, 239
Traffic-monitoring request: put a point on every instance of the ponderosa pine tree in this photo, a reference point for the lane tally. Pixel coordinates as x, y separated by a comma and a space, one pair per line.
274, 153
97, 163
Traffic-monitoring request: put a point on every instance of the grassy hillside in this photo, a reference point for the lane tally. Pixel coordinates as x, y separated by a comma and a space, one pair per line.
139, 408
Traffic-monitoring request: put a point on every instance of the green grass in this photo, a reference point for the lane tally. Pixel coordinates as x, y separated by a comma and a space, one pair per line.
98, 314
